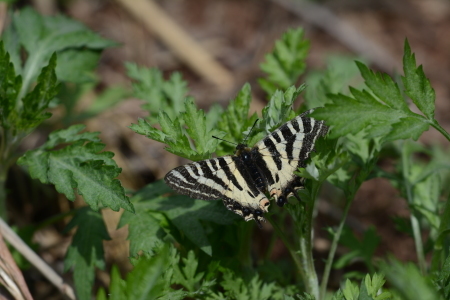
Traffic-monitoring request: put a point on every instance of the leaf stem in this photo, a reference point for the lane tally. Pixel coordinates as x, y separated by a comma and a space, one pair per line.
290, 248
334, 244
410, 198
438, 127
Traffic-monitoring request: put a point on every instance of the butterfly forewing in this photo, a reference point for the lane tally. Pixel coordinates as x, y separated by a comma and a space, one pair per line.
220, 178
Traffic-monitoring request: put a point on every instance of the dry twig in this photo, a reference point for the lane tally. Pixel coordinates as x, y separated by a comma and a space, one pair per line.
35, 260
188, 50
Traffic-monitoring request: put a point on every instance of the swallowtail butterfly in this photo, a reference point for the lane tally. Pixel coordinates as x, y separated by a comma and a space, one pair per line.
245, 180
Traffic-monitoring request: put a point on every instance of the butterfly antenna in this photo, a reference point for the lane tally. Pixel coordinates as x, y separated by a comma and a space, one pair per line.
224, 140
254, 124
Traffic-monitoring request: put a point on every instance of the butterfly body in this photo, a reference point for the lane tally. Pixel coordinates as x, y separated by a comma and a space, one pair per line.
246, 180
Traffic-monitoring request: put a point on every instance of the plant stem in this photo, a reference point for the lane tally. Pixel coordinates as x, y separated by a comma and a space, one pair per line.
438, 258
334, 244
414, 221
306, 246
245, 233
438, 127
290, 248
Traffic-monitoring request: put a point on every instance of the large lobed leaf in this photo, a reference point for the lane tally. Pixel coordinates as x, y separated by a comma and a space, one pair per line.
80, 166
43, 35
382, 110
86, 252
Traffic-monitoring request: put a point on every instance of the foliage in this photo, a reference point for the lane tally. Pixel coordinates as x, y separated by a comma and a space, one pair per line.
186, 248
78, 166
38, 56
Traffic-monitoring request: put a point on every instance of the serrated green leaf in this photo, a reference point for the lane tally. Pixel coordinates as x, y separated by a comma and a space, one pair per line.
235, 118
145, 128
287, 61
409, 127
363, 294
187, 275
70, 135
145, 280
183, 212
42, 36
340, 72
36, 102
383, 87
196, 126
144, 230
159, 95
417, 85
276, 112
86, 251
350, 291
80, 166
442, 279
9, 88
380, 112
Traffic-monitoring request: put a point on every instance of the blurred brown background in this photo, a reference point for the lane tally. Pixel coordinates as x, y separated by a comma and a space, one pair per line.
236, 34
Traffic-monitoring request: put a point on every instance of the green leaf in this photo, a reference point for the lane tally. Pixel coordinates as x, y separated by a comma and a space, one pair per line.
195, 121
276, 112
401, 276
183, 212
363, 294
383, 87
86, 251
381, 111
350, 290
36, 102
10, 85
159, 95
254, 289
144, 230
179, 138
408, 127
340, 72
442, 279
417, 85
363, 249
287, 61
187, 275
145, 281
76, 65
80, 166
234, 120
41, 36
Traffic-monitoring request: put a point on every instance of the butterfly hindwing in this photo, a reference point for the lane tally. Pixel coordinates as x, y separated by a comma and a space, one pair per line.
287, 149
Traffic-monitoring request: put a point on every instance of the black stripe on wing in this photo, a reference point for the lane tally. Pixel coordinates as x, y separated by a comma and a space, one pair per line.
191, 179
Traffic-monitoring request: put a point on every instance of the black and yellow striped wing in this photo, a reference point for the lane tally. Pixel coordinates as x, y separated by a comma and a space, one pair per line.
223, 178
284, 151
243, 180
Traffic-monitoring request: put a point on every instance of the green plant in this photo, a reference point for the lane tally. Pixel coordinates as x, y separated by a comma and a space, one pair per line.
58, 50
363, 123
187, 248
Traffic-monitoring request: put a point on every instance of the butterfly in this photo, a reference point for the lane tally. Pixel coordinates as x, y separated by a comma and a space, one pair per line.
247, 180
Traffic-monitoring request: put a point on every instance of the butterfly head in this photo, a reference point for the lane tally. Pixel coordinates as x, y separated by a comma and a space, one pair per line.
242, 149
